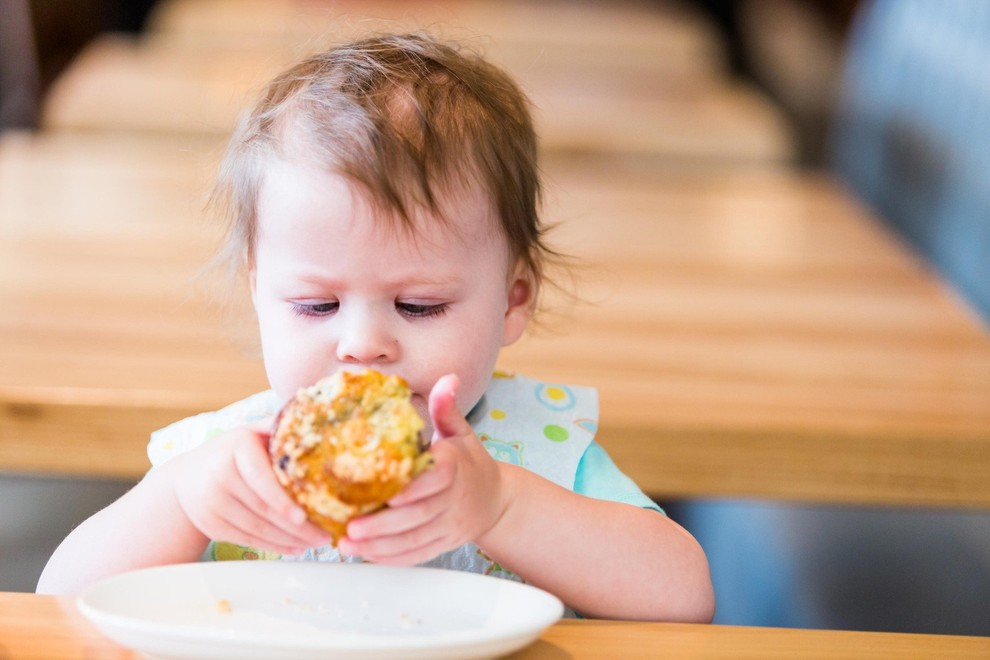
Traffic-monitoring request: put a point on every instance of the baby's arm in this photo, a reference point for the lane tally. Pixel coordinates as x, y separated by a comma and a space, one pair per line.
604, 559
224, 489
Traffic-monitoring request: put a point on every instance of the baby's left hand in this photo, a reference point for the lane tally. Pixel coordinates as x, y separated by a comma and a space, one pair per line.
456, 501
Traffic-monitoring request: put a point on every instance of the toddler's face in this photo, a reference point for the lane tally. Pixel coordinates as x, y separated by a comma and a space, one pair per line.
336, 287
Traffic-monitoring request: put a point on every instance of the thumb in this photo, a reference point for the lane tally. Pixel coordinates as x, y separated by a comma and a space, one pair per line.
262, 429
447, 419
264, 426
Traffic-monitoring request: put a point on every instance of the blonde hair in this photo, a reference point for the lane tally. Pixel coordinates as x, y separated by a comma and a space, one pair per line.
406, 118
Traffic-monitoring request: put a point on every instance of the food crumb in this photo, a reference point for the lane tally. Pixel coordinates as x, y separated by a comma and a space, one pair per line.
406, 621
223, 605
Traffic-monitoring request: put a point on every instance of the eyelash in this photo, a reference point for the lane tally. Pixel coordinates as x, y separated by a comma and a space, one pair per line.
314, 311
417, 311
410, 310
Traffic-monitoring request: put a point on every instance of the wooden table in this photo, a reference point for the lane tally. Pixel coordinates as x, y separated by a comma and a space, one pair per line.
751, 333
658, 37
105, 330
762, 334
51, 628
124, 84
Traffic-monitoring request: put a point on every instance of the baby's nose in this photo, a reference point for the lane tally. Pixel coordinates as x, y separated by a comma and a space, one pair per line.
366, 341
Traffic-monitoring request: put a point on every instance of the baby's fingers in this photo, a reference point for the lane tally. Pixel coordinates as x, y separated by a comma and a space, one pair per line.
247, 528
447, 419
256, 472
396, 520
432, 481
261, 493
262, 541
411, 547
253, 518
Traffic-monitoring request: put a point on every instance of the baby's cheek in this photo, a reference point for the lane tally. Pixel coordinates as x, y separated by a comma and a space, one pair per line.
300, 368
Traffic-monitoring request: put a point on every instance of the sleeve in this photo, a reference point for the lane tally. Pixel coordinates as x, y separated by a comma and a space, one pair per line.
193, 431
180, 437
599, 477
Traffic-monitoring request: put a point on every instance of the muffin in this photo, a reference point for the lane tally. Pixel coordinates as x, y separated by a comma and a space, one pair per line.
346, 445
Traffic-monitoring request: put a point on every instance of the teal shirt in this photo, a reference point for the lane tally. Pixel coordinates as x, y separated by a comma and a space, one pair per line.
598, 477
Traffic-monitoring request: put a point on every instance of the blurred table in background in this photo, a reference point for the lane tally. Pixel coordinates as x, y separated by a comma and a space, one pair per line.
104, 333
628, 78
657, 37
752, 332
761, 334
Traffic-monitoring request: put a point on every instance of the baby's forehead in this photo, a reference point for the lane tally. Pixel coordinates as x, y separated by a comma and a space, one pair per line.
459, 199
465, 215
392, 179
460, 209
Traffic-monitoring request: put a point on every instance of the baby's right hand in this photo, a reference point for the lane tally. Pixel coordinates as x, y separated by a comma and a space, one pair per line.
227, 489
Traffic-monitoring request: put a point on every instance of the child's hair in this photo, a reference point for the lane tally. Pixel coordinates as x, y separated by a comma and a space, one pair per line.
403, 116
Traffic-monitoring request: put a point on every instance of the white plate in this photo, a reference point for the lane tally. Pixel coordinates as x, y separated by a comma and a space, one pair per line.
310, 610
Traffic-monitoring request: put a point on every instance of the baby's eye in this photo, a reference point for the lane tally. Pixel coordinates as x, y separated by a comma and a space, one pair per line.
416, 310
315, 309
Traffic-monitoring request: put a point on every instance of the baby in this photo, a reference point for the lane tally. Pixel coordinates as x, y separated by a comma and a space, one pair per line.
383, 199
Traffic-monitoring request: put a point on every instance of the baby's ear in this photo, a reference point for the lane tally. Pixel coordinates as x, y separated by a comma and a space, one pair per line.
519, 307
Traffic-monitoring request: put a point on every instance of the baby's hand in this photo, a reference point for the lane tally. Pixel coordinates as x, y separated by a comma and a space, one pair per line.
456, 501
227, 489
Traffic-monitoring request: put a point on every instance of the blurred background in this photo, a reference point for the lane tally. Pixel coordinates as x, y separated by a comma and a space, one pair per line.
785, 210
